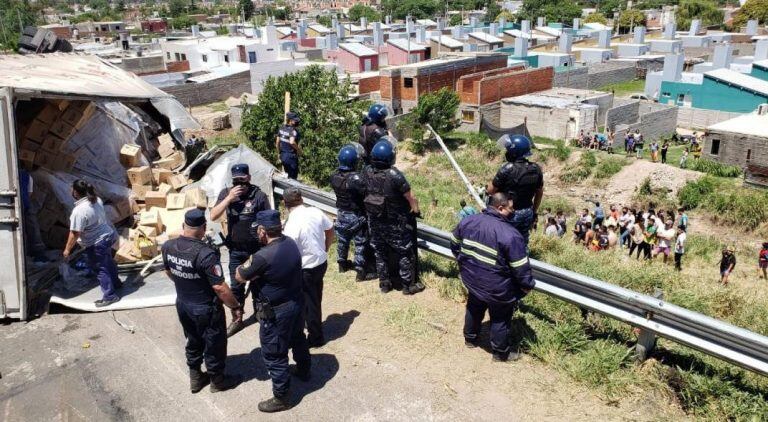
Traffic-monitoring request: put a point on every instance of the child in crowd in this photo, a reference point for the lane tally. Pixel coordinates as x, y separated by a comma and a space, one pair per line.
727, 264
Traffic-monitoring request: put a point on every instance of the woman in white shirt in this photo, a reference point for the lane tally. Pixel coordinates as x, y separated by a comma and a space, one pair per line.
89, 227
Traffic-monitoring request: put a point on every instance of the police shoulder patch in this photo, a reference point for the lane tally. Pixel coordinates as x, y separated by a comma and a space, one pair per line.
217, 271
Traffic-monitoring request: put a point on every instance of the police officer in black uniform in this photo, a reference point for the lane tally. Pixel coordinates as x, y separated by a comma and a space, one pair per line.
522, 181
287, 144
351, 223
195, 269
241, 202
275, 274
390, 205
374, 128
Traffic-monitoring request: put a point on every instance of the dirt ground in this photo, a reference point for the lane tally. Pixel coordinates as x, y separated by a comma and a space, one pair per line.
388, 358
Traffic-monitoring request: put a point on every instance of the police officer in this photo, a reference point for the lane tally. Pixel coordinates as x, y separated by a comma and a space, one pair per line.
241, 202
275, 271
494, 267
522, 181
374, 128
390, 206
195, 270
351, 223
287, 144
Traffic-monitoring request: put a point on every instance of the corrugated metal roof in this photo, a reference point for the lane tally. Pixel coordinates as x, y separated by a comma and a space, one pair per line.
749, 124
488, 38
403, 44
74, 74
358, 49
447, 41
739, 79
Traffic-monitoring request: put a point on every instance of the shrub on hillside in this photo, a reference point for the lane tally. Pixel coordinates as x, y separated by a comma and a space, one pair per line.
560, 152
714, 168
609, 167
695, 192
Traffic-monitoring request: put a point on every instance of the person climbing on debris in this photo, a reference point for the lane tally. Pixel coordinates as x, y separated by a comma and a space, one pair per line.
287, 144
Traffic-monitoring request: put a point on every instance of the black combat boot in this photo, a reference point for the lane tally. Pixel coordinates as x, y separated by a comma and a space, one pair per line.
415, 288
385, 286
505, 357
197, 380
275, 404
221, 382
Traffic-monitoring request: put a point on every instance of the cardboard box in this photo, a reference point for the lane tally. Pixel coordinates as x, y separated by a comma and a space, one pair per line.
176, 201
140, 191
161, 175
130, 155
166, 150
165, 139
173, 220
178, 181
61, 105
27, 156
36, 131
173, 161
62, 129
49, 114
53, 143
146, 247
155, 199
62, 162
147, 231
139, 175
151, 218
196, 198
30, 145
165, 189
78, 115
45, 159
126, 254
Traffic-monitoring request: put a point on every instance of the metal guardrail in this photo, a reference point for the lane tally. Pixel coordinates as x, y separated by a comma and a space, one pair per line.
716, 338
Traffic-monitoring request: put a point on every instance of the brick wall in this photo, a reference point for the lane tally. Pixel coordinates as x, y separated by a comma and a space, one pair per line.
368, 85
699, 118
468, 85
194, 94
513, 84
735, 147
173, 67
623, 112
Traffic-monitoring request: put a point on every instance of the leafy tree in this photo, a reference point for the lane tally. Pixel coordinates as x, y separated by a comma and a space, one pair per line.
506, 14
177, 7
11, 11
438, 109
120, 6
418, 9
629, 19
324, 20
328, 120
492, 11
455, 20
360, 10
706, 10
596, 17
259, 20
752, 9
552, 10
607, 7
245, 7
183, 21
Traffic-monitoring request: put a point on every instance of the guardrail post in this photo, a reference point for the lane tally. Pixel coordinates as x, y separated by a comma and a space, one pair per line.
646, 340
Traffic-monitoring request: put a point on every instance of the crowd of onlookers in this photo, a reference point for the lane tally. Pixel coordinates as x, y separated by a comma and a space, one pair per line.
634, 145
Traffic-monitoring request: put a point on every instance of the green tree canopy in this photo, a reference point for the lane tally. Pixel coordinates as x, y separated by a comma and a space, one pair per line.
506, 14
245, 7
596, 17
629, 19
706, 10
455, 20
182, 22
752, 9
328, 119
553, 10
418, 9
438, 109
11, 11
360, 10
177, 7
324, 20
492, 11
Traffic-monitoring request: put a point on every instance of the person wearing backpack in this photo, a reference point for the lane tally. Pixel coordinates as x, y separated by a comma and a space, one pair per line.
374, 128
391, 207
521, 180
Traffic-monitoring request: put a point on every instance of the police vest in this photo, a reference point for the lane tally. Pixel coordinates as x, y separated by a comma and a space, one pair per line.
285, 134
347, 198
240, 215
383, 199
372, 132
521, 181
180, 256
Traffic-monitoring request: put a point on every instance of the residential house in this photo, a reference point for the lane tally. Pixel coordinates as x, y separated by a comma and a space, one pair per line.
445, 44
742, 141
354, 57
484, 41
404, 51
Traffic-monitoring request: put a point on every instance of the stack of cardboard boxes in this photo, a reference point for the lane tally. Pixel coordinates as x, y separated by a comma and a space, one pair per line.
161, 207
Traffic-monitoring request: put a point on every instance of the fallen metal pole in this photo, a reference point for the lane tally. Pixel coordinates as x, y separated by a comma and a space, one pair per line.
456, 166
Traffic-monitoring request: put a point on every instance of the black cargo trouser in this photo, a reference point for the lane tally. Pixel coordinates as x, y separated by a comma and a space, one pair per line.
206, 332
312, 286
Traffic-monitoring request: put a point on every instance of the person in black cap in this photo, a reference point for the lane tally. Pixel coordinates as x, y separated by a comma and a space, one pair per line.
275, 271
195, 269
241, 202
287, 144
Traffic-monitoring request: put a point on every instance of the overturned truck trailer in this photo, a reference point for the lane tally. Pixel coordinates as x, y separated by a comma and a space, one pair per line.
62, 117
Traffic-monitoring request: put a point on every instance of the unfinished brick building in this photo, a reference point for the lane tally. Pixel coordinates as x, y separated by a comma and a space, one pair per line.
401, 86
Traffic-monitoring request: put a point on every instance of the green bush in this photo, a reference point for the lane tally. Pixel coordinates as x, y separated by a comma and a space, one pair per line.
695, 192
581, 170
328, 122
560, 152
482, 143
714, 168
556, 203
742, 207
609, 167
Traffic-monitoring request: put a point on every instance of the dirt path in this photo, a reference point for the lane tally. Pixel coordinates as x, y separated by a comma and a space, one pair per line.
622, 186
381, 363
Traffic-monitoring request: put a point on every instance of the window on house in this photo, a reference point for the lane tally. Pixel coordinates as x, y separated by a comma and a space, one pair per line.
749, 154
666, 94
168, 55
251, 57
205, 58
178, 57
183, 57
468, 116
226, 58
408, 82
715, 149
